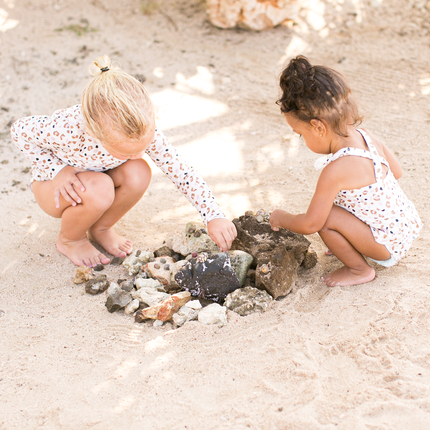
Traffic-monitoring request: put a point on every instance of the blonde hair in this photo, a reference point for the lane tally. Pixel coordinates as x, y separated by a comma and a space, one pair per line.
114, 99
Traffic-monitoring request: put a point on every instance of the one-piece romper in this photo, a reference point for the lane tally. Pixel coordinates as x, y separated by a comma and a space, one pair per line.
53, 142
383, 206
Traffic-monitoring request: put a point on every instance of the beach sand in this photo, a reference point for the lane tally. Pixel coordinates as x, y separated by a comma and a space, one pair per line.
319, 359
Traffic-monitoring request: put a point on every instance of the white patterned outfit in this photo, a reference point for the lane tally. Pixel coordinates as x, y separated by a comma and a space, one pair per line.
383, 206
53, 142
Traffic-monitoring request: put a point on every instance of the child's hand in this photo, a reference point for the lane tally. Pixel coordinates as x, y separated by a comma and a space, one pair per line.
66, 181
222, 232
275, 219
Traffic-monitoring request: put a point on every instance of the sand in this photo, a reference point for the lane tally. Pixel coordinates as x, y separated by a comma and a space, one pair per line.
321, 358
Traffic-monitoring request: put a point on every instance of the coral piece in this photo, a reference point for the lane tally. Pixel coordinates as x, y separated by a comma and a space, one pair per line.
164, 311
213, 314
251, 14
83, 274
189, 243
245, 301
134, 262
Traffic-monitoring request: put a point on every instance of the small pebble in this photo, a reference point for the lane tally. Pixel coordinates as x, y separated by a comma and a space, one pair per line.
1, 313
191, 230
138, 252
203, 231
194, 254
156, 266
116, 261
151, 260
260, 218
158, 323
198, 233
99, 267
166, 267
162, 260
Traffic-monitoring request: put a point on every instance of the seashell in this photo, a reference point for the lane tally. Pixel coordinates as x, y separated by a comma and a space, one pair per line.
265, 269
202, 257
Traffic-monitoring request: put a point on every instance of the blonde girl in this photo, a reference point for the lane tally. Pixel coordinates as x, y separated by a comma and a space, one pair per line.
358, 207
88, 170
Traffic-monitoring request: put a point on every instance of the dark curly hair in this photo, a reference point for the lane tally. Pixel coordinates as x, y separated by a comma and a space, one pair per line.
318, 92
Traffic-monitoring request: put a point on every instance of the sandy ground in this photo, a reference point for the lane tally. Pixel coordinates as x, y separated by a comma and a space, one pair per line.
321, 358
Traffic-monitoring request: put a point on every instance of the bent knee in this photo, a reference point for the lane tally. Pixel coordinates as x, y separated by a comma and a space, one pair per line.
135, 174
99, 188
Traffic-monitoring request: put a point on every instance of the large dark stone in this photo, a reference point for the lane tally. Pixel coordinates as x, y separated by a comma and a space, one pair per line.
208, 277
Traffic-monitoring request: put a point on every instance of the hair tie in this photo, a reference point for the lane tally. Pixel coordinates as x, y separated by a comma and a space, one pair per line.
104, 69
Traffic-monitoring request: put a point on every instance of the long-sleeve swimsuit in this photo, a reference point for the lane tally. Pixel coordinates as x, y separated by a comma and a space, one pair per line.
383, 205
54, 142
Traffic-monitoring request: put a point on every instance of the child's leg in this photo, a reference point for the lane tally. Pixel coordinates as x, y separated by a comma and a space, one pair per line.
349, 239
75, 220
131, 180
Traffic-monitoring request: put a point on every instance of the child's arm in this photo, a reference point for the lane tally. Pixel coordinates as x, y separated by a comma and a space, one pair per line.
36, 137
318, 211
194, 188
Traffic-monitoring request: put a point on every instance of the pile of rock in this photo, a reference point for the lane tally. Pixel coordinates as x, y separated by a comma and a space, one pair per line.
189, 279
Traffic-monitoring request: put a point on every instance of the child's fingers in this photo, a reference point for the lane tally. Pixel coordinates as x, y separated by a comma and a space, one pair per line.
73, 194
78, 184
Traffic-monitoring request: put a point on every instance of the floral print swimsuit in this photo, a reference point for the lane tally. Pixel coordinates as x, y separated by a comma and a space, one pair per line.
383, 206
53, 142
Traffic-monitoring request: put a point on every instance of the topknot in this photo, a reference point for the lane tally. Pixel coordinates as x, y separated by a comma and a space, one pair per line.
115, 101
101, 64
317, 92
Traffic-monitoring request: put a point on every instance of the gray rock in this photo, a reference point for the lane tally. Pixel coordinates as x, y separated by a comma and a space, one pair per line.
134, 262
195, 239
127, 286
157, 323
149, 283
117, 298
185, 314
213, 314
97, 285
241, 262
149, 296
132, 307
245, 301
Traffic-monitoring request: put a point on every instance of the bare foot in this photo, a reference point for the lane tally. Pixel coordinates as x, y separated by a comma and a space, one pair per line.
81, 252
344, 276
112, 242
328, 252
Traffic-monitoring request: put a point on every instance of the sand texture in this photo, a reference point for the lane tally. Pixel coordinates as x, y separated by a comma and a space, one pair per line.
319, 359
